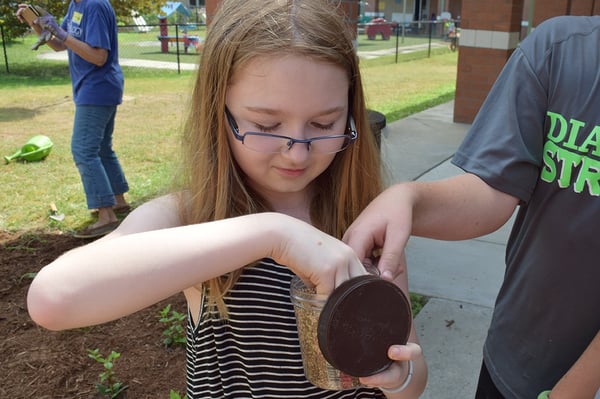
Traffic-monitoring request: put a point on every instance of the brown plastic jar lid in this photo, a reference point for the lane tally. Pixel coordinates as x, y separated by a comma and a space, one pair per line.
360, 320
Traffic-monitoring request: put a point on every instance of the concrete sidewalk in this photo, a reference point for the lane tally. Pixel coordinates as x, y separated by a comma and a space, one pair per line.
461, 278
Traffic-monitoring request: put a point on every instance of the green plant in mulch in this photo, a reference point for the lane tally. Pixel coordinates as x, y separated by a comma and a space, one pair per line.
174, 323
176, 395
109, 384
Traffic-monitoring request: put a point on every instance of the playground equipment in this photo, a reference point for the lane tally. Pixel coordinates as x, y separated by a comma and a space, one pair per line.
379, 26
140, 22
165, 38
36, 149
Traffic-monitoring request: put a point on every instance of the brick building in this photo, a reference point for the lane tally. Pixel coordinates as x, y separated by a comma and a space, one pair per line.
490, 31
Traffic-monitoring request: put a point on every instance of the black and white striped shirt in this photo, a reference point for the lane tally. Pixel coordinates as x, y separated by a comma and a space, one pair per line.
256, 353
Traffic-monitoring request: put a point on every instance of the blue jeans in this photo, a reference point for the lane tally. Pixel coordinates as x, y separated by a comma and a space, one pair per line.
98, 165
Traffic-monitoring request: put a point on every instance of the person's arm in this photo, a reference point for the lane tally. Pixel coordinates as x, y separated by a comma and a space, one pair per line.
583, 378
62, 40
149, 258
457, 208
93, 55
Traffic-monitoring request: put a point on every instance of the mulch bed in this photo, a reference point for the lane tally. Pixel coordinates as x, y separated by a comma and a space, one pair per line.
42, 364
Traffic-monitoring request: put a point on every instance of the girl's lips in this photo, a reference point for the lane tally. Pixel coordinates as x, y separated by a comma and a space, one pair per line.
291, 172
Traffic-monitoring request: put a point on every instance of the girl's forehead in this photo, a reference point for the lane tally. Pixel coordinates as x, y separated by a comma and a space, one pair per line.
267, 66
290, 81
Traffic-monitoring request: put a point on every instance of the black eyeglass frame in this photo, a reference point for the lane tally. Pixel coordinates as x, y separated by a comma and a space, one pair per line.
350, 137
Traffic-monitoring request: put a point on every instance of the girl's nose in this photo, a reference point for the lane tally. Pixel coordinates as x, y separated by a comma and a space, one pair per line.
298, 151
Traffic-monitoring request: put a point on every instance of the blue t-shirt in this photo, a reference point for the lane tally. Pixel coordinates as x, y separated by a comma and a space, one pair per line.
537, 137
94, 22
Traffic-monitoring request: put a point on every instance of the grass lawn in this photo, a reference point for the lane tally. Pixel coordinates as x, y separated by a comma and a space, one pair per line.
36, 99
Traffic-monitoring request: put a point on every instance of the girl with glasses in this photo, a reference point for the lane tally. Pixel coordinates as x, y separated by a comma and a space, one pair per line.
277, 161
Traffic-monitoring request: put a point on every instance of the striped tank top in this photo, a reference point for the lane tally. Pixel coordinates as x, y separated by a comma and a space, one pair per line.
256, 353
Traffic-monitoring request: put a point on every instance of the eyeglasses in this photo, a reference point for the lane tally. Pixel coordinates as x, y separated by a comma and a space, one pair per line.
274, 143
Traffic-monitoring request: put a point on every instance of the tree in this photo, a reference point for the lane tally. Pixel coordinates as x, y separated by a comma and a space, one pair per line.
13, 28
123, 8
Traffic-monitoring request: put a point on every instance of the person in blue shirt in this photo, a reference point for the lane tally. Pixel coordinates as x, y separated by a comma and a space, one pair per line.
89, 34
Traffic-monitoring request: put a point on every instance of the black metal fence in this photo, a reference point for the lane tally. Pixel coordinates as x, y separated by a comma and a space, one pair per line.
177, 47
412, 36
165, 46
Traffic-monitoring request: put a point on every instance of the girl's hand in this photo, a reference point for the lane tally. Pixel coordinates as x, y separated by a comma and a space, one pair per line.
317, 258
397, 374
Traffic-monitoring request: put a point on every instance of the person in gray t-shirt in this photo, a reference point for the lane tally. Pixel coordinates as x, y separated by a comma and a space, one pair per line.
535, 145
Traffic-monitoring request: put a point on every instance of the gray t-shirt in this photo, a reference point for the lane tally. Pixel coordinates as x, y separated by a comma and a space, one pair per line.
537, 137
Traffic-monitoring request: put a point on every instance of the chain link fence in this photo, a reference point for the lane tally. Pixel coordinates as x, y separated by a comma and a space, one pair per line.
163, 46
406, 38
176, 47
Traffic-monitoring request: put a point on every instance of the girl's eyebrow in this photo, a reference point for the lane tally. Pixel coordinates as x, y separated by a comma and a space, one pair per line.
272, 111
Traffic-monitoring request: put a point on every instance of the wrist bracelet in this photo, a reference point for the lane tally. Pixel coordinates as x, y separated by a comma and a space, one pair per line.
544, 395
405, 383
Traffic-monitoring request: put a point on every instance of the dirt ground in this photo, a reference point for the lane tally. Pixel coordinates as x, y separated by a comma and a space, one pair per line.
37, 363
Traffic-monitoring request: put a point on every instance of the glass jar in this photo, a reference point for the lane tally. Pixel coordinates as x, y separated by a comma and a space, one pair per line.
347, 334
307, 306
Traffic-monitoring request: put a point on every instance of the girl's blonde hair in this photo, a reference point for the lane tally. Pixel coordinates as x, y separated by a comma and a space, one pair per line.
215, 187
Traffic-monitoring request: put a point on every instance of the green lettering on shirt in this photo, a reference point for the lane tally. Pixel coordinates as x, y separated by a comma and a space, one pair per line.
567, 163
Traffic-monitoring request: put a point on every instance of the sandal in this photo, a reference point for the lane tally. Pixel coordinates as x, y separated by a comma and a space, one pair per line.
117, 209
98, 231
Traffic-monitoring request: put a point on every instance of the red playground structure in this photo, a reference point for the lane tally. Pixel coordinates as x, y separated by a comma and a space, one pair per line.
379, 26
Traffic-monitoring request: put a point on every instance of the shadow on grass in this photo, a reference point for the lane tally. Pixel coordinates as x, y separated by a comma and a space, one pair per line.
12, 114
16, 113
